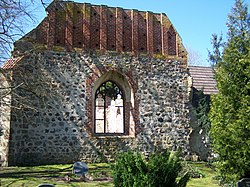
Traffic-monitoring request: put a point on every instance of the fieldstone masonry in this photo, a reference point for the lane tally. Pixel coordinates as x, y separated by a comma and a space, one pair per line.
52, 126
5, 113
51, 119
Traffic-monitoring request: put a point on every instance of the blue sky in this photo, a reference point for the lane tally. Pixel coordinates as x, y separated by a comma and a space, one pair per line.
195, 20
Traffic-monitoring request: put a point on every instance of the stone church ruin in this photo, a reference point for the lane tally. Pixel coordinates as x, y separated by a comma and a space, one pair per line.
91, 81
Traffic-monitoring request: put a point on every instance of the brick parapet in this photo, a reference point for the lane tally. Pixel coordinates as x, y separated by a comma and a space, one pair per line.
51, 30
119, 30
86, 26
150, 33
92, 27
135, 33
69, 27
103, 28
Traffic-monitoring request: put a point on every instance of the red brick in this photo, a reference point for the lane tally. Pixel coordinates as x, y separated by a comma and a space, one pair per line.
150, 34
103, 28
127, 31
111, 29
142, 32
51, 30
69, 27
93, 27
157, 33
135, 32
78, 26
86, 26
119, 30
171, 41
60, 25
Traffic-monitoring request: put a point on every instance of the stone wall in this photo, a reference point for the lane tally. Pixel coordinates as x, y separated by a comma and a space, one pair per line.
5, 111
53, 118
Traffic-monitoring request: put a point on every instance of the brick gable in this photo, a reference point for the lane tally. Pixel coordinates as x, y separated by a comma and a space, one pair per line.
93, 27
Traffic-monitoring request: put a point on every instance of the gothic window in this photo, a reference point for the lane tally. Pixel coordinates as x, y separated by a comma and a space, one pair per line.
109, 109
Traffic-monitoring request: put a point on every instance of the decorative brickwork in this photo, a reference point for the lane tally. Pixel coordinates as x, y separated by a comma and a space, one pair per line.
91, 27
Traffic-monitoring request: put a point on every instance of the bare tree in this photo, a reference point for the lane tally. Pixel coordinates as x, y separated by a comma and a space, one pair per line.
15, 17
194, 57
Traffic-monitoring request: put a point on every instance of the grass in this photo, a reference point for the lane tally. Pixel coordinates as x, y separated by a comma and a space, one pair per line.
61, 175
58, 175
207, 180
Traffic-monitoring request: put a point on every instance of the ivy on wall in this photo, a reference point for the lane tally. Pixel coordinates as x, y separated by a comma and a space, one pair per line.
201, 104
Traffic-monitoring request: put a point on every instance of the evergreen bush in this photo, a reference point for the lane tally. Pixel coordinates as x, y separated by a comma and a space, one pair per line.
230, 108
161, 170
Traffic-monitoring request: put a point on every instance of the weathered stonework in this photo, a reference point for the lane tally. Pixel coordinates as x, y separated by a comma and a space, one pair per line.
53, 124
60, 65
5, 113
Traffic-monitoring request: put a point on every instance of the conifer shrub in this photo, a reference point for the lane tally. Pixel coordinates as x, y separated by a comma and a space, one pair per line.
230, 108
129, 170
161, 170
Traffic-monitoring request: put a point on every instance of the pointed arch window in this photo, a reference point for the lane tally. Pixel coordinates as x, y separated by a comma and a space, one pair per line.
109, 109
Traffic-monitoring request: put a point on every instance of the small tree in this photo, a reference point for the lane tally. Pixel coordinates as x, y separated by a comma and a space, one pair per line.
230, 109
194, 57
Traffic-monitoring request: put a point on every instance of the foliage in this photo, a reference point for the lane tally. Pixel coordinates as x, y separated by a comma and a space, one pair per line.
217, 44
201, 104
58, 175
230, 109
207, 180
193, 171
101, 174
129, 170
162, 169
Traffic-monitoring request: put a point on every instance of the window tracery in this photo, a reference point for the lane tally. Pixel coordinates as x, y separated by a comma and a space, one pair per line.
109, 109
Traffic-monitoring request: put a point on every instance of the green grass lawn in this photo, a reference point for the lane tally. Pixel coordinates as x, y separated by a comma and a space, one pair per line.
206, 181
61, 175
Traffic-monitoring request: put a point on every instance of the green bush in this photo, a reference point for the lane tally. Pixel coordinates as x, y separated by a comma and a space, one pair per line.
129, 170
161, 170
193, 171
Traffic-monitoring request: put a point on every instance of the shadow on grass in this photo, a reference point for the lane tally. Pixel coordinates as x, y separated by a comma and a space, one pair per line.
47, 172
60, 175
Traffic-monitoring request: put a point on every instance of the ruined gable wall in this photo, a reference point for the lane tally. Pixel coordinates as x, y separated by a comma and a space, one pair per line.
54, 124
88, 27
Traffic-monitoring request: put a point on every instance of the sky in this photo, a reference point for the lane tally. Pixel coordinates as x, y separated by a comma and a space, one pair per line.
194, 20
